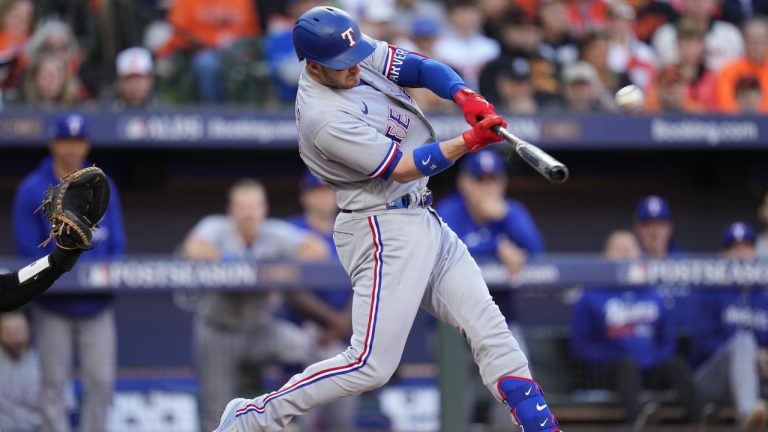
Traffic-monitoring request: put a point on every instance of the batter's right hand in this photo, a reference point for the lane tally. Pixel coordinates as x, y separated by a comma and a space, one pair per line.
482, 133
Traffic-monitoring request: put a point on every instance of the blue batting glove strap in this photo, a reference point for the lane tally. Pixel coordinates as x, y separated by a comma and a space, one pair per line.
430, 160
526, 400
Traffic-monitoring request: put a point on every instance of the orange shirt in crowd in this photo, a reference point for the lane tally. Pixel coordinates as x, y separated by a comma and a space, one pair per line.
729, 76
530, 7
11, 43
586, 16
210, 23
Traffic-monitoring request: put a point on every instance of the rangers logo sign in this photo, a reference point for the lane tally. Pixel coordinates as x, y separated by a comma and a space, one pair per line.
347, 35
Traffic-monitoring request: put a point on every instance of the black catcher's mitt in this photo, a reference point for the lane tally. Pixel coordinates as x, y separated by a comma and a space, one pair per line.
75, 206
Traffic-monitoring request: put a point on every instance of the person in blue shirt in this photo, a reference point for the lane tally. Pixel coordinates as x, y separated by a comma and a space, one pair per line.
493, 227
69, 325
654, 228
626, 336
330, 310
281, 56
730, 337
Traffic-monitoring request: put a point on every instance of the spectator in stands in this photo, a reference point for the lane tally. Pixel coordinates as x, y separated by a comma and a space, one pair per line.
557, 45
54, 38
513, 90
49, 83
424, 32
700, 81
593, 48
628, 333
749, 95
493, 227
495, 16
753, 64
669, 94
234, 328
207, 29
376, 20
761, 243
587, 16
409, 11
19, 376
519, 46
737, 12
135, 82
730, 337
723, 41
652, 14
582, 91
626, 54
16, 21
331, 310
280, 55
466, 49
66, 326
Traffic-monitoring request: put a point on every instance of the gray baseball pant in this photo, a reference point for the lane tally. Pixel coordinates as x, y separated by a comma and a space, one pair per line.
398, 261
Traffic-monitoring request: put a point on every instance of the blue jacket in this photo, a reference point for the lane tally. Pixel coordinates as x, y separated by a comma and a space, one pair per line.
278, 49
718, 313
610, 324
31, 229
483, 240
337, 299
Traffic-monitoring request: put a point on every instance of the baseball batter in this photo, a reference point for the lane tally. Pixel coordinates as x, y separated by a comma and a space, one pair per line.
361, 132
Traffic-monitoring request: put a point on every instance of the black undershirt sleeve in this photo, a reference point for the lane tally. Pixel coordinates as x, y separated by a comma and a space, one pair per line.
14, 294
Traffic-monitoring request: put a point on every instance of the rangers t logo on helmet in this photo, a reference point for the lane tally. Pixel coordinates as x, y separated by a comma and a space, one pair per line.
330, 37
348, 35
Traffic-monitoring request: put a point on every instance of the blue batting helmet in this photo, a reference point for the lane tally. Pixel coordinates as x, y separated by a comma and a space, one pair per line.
329, 36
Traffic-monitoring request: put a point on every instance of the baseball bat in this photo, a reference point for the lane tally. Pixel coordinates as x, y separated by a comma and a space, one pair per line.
542, 162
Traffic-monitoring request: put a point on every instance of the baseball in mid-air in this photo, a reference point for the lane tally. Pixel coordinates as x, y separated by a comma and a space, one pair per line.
630, 98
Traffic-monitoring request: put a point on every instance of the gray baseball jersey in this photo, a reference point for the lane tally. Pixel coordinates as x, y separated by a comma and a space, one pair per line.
348, 137
399, 260
277, 240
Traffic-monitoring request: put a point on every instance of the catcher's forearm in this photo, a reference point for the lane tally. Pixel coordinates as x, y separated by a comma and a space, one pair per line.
19, 288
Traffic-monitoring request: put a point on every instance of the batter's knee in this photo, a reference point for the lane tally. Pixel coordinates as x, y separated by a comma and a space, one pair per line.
374, 376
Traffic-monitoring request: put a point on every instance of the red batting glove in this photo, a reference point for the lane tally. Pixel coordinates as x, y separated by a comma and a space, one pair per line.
482, 133
475, 107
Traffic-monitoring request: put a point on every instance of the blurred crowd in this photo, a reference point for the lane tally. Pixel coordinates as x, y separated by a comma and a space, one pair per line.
525, 56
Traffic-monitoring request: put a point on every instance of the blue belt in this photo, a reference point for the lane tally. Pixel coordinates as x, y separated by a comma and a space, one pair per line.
421, 199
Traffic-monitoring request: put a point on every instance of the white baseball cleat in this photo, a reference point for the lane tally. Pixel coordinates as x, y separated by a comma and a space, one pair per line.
227, 422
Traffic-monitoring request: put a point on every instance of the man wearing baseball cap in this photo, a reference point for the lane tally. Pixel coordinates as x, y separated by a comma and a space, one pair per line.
68, 325
653, 227
135, 81
730, 338
493, 227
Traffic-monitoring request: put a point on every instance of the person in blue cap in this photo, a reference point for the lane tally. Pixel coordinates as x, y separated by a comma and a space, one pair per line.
730, 338
493, 227
79, 325
331, 310
654, 229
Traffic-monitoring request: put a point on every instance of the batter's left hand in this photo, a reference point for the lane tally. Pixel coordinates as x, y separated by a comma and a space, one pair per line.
482, 133
474, 106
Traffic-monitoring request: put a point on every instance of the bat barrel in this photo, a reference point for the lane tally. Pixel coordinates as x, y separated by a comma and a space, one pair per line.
554, 170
